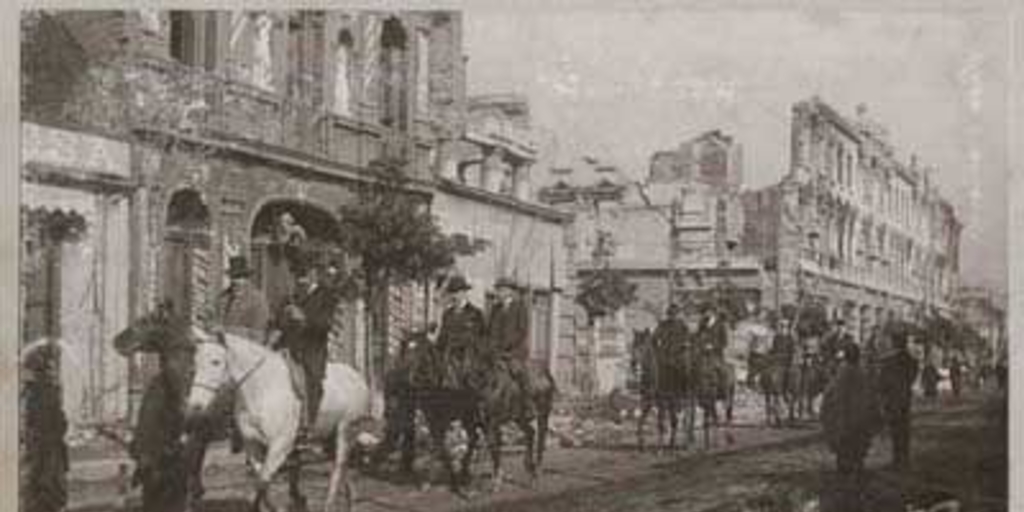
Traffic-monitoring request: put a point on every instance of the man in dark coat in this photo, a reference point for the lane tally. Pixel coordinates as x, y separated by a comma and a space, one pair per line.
44, 463
850, 414
897, 374
671, 331
508, 332
242, 308
242, 311
461, 332
671, 344
305, 324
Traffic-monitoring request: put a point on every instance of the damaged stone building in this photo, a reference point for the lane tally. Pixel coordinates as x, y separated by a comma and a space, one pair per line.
852, 226
230, 119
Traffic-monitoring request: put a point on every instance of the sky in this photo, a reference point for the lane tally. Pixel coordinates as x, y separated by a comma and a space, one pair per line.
620, 84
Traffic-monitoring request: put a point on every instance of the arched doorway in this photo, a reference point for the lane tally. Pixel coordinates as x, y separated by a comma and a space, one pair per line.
186, 262
280, 231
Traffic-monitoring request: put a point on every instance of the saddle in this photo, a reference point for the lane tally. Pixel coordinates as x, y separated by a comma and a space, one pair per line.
298, 376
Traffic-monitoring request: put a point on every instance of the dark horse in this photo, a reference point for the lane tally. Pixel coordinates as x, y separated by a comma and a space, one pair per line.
484, 400
662, 379
162, 460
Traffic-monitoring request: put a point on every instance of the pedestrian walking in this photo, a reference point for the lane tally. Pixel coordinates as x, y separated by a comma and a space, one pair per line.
44, 461
896, 379
850, 415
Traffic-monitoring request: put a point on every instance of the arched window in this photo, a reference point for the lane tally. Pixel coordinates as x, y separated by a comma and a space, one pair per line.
393, 67
343, 73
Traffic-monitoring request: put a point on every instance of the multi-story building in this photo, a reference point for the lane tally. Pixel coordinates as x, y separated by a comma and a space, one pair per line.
675, 235
985, 312
234, 118
853, 226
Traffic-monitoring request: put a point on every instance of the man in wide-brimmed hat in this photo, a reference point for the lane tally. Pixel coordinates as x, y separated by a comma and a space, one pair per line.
242, 308
508, 331
461, 331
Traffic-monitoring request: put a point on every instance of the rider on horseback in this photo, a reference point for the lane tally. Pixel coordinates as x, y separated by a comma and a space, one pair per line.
462, 329
305, 324
508, 331
671, 331
671, 341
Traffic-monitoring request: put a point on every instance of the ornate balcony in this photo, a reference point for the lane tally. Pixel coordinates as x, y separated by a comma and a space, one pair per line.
176, 99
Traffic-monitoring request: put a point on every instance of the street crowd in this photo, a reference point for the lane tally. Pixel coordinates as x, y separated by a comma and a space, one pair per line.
868, 387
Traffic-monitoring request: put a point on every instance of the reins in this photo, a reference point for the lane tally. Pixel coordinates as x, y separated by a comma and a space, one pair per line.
236, 383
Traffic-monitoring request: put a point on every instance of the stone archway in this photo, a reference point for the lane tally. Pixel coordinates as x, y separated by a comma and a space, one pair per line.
312, 231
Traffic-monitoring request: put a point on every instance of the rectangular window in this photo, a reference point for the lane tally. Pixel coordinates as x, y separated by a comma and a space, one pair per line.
422, 72
183, 37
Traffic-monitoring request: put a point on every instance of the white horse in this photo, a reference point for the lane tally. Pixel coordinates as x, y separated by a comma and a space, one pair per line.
268, 410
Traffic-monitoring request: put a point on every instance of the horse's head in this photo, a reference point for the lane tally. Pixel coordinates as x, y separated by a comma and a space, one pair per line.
155, 332
211, 371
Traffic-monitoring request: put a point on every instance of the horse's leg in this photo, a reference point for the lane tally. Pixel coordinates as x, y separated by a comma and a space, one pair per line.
294, 487
339, 473
661, 425
673, 423
645, 409
470, 425
494, 444
277, 454
438, 431
529, 462
543, 418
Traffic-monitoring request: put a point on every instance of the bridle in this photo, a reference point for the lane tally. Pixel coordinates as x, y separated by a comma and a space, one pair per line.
236, 383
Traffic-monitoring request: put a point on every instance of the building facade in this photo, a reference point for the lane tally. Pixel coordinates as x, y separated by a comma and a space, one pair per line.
74, 258
853, 226
985, 312
675, 235
235, 118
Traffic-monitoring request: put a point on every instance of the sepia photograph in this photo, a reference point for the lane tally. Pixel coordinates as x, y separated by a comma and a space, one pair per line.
569, 257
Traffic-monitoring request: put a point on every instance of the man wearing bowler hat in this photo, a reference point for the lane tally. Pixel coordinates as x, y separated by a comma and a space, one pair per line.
508, 331
242, 308
461, 332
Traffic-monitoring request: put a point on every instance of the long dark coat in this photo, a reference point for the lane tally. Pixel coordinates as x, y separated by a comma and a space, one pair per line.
508, 330
850, 412
459, 340
243, 311
45, 459
305, 322
897, 373
462, 328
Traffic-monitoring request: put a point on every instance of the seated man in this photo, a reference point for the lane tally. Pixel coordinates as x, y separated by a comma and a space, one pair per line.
508, 332
305, 324
461, 332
